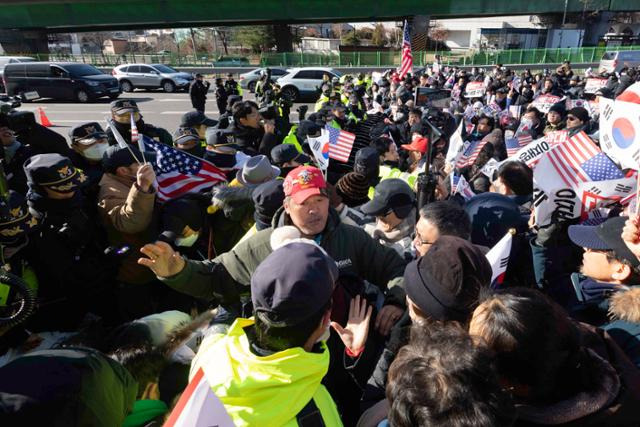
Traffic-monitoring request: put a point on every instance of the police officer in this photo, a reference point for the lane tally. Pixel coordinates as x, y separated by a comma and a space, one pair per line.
121, 111
187, 139
198, 121
69, 245
221, 96
15, 154
88, 144
231, 86
198, 92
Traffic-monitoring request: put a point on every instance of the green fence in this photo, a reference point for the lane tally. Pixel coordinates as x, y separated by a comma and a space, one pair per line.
353, 59
386, 58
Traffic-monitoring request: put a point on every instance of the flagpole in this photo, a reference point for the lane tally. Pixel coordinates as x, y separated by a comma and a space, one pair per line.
121, 142
138, 139
637, 192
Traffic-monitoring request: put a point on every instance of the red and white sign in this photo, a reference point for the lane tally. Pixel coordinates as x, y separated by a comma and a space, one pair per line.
544, 102
593, 84
475, 90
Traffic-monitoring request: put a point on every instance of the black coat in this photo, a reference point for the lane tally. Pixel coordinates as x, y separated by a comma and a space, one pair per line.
198, 92
253, 141
70, 262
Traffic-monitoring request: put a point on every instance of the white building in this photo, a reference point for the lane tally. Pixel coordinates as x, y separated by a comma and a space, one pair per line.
319, 45
499, 32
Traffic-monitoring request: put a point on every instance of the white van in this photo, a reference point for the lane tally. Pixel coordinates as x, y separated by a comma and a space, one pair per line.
614, 61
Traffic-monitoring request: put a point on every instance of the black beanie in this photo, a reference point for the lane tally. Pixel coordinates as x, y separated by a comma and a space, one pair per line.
580, 113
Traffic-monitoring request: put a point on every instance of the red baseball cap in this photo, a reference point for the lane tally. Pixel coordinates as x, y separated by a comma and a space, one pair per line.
418, 144
304, 182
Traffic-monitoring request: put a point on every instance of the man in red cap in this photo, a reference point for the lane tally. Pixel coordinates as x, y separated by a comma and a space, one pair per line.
416, 149
227, 278
306, 207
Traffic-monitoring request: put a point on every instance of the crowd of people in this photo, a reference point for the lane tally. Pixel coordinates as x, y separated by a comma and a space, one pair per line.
360, 293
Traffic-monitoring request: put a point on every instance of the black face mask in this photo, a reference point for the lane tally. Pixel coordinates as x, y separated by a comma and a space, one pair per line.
197, 151
125, 128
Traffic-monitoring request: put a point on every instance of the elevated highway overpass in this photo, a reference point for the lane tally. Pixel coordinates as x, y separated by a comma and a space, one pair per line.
93, 15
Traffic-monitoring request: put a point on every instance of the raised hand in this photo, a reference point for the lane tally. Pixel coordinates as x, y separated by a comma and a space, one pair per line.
354, 335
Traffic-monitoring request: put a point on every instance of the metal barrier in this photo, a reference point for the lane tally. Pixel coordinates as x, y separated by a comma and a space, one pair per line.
352, 59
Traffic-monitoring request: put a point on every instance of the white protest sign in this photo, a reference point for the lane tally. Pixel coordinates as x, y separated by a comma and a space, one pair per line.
593, 84
544, 102
475, 90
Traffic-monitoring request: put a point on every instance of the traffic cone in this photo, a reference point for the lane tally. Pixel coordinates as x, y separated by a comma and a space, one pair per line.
44, 121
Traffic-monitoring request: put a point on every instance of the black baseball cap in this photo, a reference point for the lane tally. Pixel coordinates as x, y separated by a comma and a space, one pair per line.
87, 133
284, 153
115, 157
122, 106
292, 284
390, 194
196, 118
185, 134
445, 283
604, 237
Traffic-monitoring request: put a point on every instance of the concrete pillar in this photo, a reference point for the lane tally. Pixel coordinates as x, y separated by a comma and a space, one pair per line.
24, 41
284, 41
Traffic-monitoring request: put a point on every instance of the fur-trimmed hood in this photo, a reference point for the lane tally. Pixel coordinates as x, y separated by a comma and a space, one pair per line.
626, 305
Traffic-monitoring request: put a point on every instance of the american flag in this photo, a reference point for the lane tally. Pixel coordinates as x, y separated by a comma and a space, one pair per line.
471, 153
459, 185
580, 160
340, 144
407, 59
516, 143
179, 173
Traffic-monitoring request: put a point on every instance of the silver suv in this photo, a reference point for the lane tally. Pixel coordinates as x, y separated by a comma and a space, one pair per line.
151, 76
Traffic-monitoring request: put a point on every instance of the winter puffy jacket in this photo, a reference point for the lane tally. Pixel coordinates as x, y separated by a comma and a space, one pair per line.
229, 275
266, 390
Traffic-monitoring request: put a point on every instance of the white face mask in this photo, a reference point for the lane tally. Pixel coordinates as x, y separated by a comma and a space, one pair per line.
96, 151
326, 334
187, 242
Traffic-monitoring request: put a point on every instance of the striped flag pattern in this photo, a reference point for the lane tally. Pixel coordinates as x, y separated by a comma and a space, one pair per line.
471, 153
179, 173
579, 160
514, 144
407, 58
340, 144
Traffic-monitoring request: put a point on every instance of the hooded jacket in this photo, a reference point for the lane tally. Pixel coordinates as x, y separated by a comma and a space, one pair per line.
624, 307
127, 213
264, 390
229, 275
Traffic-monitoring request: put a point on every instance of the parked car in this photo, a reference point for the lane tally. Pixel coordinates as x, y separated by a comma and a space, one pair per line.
59, 80
4, 60
613, 62
248, 80
301, 82
151, 76
231, 61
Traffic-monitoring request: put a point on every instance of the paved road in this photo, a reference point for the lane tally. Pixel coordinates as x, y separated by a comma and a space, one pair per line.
158, 108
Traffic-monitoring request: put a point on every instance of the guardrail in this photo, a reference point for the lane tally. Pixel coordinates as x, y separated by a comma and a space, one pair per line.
352, 59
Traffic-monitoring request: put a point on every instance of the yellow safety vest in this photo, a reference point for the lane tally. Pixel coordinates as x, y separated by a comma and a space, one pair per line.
387, 172
292, 139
